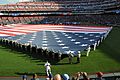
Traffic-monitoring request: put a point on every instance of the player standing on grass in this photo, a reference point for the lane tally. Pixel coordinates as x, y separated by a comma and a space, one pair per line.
48, 69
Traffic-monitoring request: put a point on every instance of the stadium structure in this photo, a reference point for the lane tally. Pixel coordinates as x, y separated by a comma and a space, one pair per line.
54, 28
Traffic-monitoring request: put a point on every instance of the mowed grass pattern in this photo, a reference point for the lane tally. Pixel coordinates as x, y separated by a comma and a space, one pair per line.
106, 59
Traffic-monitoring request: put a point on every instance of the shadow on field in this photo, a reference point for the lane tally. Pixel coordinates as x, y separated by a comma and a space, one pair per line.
30, 73
67, 63
37, 56
111, 46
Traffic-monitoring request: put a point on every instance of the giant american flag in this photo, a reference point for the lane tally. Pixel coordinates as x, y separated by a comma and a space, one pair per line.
59, 38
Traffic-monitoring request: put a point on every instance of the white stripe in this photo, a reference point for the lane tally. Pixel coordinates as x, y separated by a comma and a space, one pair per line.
4, 35
20, 30
17, 33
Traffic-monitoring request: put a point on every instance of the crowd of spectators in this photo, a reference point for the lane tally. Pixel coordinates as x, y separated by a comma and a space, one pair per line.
84, 7
76, 76
87, 6
105, 19
16, 20
81, 19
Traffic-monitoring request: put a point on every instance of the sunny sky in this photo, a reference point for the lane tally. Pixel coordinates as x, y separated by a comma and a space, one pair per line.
8, 1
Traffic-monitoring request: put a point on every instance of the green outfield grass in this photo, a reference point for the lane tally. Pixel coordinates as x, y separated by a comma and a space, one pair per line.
106, 59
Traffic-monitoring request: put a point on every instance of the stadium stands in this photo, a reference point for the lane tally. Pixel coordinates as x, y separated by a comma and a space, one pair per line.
71, 10
104, 19
74, 6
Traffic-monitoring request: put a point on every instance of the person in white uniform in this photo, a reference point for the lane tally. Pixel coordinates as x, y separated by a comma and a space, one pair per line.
48, 69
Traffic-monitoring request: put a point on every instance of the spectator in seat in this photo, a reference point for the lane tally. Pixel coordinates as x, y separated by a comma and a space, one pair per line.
85, 76
70, 56
35, 77
78, 76
57, 77
99, 75
65, 77
24, 77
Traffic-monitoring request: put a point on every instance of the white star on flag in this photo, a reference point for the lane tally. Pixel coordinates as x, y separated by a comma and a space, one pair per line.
91, 34
80, 36
61, 44
69, 51
66, 35
69, 37
73, 40
97, 36
77, 42
32, 39
84, 45
85, 38
29, 41
44, 38
57, 38
59, 41
44, 41
65, 47
92, 40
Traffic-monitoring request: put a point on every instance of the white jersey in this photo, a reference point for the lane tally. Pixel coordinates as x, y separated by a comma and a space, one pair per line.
47, 65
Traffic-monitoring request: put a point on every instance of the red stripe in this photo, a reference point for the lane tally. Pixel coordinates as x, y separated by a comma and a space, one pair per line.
10, 34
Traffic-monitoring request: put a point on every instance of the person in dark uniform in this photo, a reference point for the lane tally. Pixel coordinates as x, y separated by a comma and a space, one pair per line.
78, 57
70, 55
